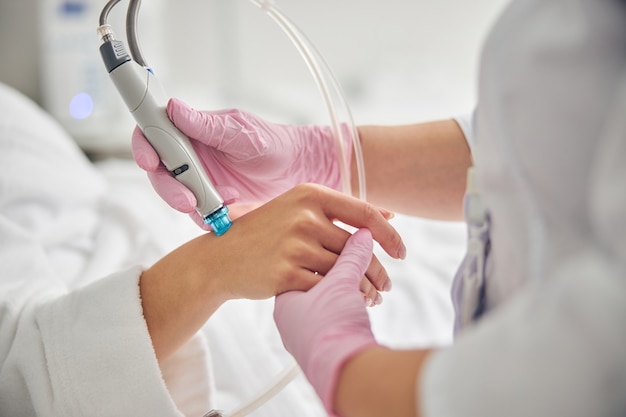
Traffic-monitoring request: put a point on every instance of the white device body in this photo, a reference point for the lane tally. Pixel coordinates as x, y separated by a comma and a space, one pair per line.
147, 102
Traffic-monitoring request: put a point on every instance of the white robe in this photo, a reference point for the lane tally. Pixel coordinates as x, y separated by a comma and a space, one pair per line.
72, 344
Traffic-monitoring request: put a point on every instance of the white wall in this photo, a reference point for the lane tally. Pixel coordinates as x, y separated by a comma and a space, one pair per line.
397, 60
392, 57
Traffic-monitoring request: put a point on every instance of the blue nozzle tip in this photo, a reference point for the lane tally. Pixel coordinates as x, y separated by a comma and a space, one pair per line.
219, 221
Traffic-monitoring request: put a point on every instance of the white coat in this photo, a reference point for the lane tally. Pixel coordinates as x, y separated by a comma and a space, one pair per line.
549, 153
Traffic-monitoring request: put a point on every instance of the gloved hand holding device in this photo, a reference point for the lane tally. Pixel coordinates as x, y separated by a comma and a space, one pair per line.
248, 159
327, 325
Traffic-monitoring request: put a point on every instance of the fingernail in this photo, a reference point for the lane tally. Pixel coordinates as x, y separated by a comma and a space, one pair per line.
368, 301
402, 252
387, 214
378, 300
387, 286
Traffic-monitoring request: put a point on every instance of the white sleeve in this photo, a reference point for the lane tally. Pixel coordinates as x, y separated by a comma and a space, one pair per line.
466, 123
81, 353
556, 349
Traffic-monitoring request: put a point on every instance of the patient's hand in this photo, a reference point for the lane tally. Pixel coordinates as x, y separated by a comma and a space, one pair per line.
291, 241
287, 244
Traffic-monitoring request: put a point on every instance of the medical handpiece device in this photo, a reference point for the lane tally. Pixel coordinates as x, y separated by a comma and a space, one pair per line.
145, 99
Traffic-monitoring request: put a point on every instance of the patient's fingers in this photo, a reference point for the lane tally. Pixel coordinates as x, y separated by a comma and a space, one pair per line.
377, 275
359, 214
333, 238
370, 295
375, 280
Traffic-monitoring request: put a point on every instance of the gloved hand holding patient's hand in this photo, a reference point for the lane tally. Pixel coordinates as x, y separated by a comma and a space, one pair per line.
329, 324
248, 159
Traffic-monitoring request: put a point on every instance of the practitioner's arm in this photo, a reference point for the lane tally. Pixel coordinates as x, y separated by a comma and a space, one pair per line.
418, 169
379, 373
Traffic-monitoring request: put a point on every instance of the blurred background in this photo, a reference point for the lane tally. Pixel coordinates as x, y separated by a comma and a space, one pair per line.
398, 61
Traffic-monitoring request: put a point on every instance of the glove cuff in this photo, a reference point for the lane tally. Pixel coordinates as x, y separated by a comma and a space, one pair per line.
330, 159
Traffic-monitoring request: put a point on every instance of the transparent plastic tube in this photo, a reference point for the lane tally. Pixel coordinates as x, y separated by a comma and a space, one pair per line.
272, 388
331, 93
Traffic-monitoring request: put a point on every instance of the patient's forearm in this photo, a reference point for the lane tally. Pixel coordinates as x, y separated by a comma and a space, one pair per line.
178, 297
417, 169
380, 382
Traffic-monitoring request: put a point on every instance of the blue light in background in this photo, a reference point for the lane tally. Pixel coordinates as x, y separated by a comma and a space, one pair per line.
70, 8
81, 106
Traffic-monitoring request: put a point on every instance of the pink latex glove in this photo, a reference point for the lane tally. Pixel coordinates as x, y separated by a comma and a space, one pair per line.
328, 324
248, 159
